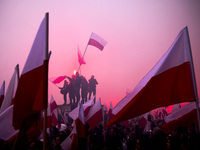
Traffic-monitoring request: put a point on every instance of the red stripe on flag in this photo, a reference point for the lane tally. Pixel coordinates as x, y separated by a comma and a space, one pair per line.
30, 95
53, 106
59, 79
95, 43
95, 119
170, 87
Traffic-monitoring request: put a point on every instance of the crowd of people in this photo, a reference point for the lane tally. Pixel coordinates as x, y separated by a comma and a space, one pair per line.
122, 136
78, 88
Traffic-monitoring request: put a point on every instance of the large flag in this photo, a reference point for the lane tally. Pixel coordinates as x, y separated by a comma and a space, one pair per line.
2, 93
97, 41
171, 81
80, 58
86, 106
31, 94
56, 80
6, 128
95, 115
183, 117
10, 90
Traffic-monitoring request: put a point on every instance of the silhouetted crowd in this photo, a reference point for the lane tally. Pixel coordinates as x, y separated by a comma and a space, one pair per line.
127, 135
78, 88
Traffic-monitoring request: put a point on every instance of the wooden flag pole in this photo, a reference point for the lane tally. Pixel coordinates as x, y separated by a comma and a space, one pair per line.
46, 82
83, 55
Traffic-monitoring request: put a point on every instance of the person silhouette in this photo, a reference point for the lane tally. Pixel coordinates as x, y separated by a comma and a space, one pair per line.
84, 89
77, 84
71, 89
92, 87
64, 90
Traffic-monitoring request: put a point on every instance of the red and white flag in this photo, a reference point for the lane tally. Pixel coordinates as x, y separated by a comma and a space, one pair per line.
183, 117
97, 41
10, 90
31, 94
80, 57
56, 80
7, 130
95, 115
86, 106
2, 93
79, 132
54, 112
110, 114
170, 81
52, 115
71, 142
80, 123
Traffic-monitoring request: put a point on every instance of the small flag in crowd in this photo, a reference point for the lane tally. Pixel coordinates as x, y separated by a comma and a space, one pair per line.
95, 115
57, 80
10, 90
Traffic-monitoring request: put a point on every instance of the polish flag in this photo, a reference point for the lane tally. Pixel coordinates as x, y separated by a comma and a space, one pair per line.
52, 115
2, 93
80, 123
10, 90
7, 130
97, 41
71, 142
57, 80
171, 81
54, 112
31, 94
86, 106
183, 117
95, 115
80, 58
110, 114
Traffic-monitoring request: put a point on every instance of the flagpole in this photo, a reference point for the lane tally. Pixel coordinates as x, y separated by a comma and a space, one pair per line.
194, 81
82, 57
17, 69
46, 96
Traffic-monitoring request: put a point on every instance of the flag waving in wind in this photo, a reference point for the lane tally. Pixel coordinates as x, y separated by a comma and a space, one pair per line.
171, 81
97, 41
31, 94
10, 90
95, 115
57, 79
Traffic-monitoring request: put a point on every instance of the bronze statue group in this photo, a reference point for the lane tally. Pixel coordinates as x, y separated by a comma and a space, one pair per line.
78, 88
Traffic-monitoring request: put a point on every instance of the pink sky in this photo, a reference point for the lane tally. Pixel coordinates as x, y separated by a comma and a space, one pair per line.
138, 34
